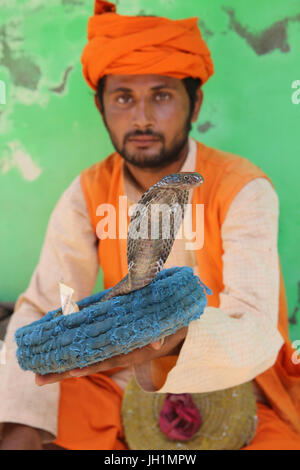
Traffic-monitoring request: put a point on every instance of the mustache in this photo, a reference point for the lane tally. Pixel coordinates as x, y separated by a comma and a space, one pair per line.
139, 133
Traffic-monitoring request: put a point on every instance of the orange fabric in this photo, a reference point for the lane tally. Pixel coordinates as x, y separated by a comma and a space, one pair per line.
130, 45
89, 414
272, 433
225, 175
160, 369
90, 419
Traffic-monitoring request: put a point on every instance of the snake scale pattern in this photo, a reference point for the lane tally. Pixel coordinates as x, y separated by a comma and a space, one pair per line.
152, 230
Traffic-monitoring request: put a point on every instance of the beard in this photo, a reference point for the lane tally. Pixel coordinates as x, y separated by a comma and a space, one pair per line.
164, 157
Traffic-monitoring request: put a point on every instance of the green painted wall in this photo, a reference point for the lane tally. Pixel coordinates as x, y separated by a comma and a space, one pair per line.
50, 129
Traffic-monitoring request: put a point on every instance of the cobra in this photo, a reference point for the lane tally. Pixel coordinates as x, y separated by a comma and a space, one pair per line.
148, 243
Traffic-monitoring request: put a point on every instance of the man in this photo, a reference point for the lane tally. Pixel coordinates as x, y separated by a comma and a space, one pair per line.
148, 74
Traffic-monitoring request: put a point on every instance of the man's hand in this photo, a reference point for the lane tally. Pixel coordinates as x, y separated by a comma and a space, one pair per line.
20, 437
170, 346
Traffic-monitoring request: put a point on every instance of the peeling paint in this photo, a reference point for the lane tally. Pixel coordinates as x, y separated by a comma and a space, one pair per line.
130, 7
204, 29
293, 317
274, 37
72, 2
23, 70
61, 88
205, 127
8, 3
2, 92
18, 157
34, 48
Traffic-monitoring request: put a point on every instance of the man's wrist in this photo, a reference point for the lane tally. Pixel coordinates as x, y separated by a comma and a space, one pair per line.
177, 349
20, 436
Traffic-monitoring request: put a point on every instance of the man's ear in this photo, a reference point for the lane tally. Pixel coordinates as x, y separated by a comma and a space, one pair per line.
100, 109
198, 104
98, 104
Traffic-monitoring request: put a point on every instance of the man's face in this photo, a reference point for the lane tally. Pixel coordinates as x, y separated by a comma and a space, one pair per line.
147, 117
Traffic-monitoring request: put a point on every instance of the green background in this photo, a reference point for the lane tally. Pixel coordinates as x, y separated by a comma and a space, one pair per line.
50, 129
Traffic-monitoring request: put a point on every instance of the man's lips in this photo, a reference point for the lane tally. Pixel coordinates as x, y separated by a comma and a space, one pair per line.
143, 139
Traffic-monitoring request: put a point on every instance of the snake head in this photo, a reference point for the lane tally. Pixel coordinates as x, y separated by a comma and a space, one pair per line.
183, 180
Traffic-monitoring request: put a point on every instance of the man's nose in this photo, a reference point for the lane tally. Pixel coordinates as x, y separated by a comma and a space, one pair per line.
143, 115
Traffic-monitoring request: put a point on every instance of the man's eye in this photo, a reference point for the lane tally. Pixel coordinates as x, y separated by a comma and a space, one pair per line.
162, 96
124, 99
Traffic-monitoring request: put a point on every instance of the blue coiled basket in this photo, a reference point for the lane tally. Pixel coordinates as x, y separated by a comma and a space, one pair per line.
57, 343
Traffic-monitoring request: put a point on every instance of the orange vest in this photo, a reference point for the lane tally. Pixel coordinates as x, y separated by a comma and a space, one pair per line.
224, 176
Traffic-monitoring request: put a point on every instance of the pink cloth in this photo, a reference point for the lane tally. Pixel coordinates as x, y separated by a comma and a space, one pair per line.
179, 418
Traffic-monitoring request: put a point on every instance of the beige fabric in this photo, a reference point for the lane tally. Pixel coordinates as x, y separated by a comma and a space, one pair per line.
69, 253
251, 294
224, 347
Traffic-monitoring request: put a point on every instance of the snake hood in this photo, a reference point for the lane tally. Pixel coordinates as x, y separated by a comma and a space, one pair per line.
183, 180
152, 230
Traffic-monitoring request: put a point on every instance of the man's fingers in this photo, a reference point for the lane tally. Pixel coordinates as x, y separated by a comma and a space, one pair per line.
51, 378
158, 344
134, 357
89, 370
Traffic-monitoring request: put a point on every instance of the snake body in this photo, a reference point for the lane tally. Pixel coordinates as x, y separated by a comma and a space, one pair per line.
152, 230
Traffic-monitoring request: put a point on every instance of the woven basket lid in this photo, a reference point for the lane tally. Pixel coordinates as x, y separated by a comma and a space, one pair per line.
228, 419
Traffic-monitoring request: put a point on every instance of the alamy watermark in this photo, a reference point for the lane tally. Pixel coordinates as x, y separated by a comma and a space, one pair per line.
162, 221
2, 92
2, 353
296, 94
296, 355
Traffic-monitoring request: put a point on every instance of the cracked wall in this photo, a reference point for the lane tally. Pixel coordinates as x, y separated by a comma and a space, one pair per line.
50, 129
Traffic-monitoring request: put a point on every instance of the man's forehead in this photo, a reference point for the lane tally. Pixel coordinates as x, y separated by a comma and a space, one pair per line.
132, 82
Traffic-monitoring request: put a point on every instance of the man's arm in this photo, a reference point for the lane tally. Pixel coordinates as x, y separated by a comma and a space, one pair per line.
69, 253
239, 340
20, 437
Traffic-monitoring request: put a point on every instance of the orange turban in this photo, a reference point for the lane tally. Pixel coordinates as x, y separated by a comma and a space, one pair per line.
131, 45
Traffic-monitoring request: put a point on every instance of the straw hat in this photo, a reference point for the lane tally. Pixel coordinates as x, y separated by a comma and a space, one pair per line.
228, 419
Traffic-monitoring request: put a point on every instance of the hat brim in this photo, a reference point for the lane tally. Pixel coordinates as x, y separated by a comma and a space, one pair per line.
228, 419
